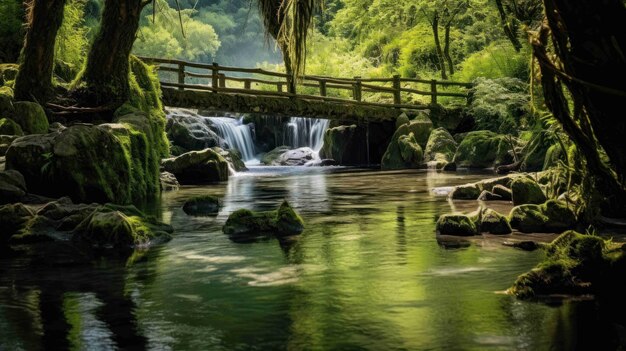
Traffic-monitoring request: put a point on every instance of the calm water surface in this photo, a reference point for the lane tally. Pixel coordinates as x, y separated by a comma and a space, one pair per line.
367, 274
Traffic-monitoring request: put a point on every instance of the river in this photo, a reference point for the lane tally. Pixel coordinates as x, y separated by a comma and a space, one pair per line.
368, 273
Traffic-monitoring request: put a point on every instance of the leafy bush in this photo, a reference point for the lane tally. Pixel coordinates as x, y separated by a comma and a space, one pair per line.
496, 61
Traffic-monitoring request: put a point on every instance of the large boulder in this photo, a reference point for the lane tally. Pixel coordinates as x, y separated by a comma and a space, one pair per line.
243, 224
31, 117
440, 147
403, 151
494, 223
233, 157
526, 191
197, 167
421, 127
483, 149
457, 225
9, 127
465, 192
283, 156
12, 186
191, 131
550, 217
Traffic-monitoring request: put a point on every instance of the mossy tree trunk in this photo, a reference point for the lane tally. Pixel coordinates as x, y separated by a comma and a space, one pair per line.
435, 26
446, 49
508, 28
589, 40
34, 80
105, 78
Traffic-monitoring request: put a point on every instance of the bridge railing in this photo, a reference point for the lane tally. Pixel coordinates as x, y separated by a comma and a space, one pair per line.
277, 84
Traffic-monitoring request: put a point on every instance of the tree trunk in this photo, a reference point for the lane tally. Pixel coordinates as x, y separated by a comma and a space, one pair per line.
508, 29
435, 26
34, 80
446, 49
106, 74
590, 42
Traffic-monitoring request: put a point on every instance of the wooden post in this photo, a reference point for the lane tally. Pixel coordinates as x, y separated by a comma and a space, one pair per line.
397, 96
214, 75
246, 84
291, 88
356, 93
433, 91
322, 88
279, 86
222, 80
181, 75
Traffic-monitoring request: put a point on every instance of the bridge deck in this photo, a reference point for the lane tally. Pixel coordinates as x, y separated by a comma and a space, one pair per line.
247, 93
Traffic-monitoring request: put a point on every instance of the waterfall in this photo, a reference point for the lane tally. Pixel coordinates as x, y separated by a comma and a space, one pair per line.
301, 132
237, 135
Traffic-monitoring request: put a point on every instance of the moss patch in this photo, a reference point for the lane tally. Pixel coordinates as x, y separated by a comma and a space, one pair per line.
459, 225
244, 224
483, 149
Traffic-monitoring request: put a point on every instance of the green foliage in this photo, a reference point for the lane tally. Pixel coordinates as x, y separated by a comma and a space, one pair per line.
71, 42
173, 37
497, 60
500, 105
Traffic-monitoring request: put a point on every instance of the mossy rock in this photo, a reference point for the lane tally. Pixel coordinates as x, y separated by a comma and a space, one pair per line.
482, 149
273, 157
494, 223
421, 128
526, 191
561, 217
6, 102
121, 228
458, 225
502, 191
441, 146
575, 264
8, 72
402, 119
13, 217
203, 205
244, 224
528, 218
9, 127
198, 167
344, 144
31, 117
465, 192
233, 157
403, 151
168, 182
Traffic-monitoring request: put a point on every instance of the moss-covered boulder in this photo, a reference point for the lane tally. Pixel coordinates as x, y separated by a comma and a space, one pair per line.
465, 192
494, 223
120, 227
483, 149
244, 224
6, 102
12, 186
190, 131
233, 157
198, 167
403, 151
550, 217
31, 117
440, 147
9, 127
402, 119
575, 264
458, 225
502, 191
203, 205
421, 127
13, 217
526, 191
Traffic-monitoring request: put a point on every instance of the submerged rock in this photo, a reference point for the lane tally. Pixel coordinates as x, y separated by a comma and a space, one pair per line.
197, 167
203, 205
526, 191
483, 149
458, 225
244, 224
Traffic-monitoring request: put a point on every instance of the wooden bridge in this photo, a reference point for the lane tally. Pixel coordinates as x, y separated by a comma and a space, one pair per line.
255, 90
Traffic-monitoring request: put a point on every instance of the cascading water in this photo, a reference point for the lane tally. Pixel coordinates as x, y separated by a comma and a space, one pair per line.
305, 132
237, 135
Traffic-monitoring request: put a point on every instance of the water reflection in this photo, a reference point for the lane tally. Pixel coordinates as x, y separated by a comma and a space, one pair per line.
367, 273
